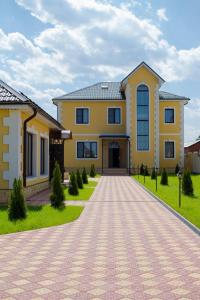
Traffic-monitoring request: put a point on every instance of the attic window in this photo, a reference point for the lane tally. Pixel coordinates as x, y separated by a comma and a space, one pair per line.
104, 87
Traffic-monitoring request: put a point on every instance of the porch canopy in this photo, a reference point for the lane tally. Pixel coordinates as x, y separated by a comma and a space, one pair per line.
115, 151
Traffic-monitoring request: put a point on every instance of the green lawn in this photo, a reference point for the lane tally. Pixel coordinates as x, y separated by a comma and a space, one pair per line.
39, 217
190, 208
84, 194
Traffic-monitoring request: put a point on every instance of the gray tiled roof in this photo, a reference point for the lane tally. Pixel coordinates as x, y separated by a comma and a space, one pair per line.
112, 92
9, 96
95, 92
168, 96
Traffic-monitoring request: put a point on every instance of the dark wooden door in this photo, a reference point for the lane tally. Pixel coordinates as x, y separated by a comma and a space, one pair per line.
114, 158
56, 151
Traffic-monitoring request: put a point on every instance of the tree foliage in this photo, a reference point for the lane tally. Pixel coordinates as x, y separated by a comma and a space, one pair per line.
164, 177
84, 176
57, 196
73, 186
17, 207
187, 185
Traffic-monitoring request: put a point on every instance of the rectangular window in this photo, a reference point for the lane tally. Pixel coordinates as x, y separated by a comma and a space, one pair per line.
86, 149
82, 116
29, 154
42, 156
114, 115
169, 115
169, 149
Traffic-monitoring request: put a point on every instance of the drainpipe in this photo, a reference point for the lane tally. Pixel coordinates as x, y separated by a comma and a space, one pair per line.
24, 144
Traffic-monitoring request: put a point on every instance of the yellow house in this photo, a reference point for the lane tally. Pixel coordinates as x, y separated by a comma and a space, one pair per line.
27, 133
120, 125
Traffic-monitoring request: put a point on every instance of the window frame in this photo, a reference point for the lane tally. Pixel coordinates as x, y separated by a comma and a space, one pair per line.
87, 158
82, 107
138, 120
169, 141
29, 172
169, 108
114, 107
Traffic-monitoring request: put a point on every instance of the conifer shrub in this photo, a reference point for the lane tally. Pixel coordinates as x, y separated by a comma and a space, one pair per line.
153, 173
146, 171
73, 186
92, 171
79, 180
187, 185
17, 207
57, 196
142, 169
177, 169
164, 177
84, 176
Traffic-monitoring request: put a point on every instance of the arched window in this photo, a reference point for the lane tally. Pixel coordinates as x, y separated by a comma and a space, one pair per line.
142, 118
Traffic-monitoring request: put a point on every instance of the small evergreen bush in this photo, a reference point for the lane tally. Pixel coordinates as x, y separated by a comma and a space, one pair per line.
153, 173
177, 169
17, 207
73, 186
79, 180
57, 197
164, 177
187, 185
146, 172
84, 176
142, 169
92, 171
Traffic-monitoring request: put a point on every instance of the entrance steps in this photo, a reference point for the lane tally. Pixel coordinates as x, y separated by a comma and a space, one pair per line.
116, 171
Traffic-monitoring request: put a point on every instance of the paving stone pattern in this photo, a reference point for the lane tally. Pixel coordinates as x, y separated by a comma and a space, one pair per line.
125, 245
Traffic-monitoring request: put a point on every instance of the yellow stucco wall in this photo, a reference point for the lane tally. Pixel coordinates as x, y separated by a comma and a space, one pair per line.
40, 127
170, 132
3, 148
142, 76
98, 125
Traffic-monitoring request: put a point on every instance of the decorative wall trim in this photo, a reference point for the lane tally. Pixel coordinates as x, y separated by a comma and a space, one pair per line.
14, 141
181, 162
128, 119
174, 134
156, 128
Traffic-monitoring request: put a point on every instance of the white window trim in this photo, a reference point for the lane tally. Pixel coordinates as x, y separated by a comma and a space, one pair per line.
173, 123
169, 158
143, 151
111, 124
34, 132
88, 116
87, 141
46, 137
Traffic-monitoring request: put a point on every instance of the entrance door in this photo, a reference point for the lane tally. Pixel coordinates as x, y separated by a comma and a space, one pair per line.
114, 152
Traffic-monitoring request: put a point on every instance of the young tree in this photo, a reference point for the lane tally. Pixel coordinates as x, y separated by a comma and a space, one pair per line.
84, 176
73, 186
92, 171
142, 169
146, 172
17, 207
164, 177
187, 185
177, 169
79, 180
153, 173
57, 197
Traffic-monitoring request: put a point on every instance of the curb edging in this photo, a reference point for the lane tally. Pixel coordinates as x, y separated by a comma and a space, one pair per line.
173, 211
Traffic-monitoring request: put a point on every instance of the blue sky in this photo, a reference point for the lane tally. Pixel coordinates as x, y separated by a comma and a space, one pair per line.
50, 47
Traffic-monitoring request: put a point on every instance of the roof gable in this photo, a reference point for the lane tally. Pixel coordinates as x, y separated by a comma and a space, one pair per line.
145, 65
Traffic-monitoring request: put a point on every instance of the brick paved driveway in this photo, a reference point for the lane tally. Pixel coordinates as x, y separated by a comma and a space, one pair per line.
125, 245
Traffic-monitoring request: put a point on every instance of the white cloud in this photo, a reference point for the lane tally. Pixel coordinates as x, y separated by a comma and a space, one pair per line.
161, 13
87, 41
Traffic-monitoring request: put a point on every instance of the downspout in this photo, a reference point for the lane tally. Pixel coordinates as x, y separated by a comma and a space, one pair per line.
24, 144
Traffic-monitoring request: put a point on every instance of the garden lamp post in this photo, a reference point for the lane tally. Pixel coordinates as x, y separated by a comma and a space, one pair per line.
179, 179
156, 170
